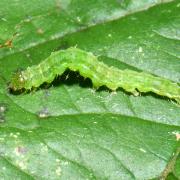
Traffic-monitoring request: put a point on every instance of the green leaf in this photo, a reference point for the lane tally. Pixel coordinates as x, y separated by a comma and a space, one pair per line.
69, 130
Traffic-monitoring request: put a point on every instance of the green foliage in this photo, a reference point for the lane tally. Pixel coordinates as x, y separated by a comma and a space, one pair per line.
70, 131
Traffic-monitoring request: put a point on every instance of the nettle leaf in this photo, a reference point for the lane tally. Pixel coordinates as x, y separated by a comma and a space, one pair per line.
67, 129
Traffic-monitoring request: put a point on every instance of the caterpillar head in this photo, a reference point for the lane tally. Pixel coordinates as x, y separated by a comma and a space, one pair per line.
17, 81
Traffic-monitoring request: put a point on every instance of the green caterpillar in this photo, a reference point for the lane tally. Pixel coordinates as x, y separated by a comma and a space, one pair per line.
88, 66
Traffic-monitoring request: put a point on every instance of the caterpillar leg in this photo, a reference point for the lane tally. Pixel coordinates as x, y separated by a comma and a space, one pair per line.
95, 84
132, 90
135, 93
177, 100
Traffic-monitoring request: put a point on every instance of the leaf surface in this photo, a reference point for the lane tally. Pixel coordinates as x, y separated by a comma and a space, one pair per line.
69, 130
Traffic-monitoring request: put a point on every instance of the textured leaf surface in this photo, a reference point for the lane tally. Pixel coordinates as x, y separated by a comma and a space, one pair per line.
89, 134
